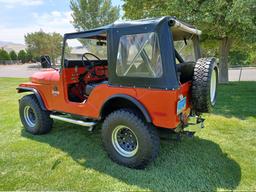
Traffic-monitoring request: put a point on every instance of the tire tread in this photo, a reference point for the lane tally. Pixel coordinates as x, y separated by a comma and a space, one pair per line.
201, 85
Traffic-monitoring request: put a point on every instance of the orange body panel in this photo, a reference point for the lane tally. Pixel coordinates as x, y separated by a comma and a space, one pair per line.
161, 104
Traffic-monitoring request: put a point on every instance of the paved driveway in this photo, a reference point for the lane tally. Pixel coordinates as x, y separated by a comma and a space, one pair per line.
26, 70
247, 74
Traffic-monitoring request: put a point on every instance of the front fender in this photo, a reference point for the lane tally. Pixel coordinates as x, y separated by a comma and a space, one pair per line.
33, 90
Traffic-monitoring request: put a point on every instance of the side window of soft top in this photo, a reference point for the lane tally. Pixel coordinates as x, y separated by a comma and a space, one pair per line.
139, 56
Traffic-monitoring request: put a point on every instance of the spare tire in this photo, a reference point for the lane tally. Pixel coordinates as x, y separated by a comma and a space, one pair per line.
204, 85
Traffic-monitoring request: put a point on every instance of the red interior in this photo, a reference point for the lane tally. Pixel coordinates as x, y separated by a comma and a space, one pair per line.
76, 88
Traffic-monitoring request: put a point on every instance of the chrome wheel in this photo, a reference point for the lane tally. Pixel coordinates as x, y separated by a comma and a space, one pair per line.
125, 141
213, 85
29, 116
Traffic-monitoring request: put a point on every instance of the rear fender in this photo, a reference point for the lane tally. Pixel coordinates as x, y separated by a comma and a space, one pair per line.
129, 99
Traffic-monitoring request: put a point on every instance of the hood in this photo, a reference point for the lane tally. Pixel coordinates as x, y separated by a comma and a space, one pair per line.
46, 76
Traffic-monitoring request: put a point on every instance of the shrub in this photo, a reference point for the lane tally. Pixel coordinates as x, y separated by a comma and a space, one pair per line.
13, 55
22, 56
29, 56
4, 55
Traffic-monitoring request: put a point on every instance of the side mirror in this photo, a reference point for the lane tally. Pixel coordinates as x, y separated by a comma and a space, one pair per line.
45, 61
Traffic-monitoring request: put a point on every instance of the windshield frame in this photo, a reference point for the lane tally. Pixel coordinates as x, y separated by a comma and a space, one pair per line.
100, 34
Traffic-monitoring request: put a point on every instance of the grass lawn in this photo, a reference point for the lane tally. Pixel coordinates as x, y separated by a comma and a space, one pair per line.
220, 157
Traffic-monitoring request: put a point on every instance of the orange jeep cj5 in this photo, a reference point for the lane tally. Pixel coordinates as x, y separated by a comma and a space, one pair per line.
134, 78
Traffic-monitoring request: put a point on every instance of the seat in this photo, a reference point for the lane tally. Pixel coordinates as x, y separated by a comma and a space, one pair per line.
186, 71
89, 87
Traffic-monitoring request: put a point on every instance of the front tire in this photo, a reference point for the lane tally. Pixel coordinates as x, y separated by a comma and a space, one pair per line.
34, 119
128, 140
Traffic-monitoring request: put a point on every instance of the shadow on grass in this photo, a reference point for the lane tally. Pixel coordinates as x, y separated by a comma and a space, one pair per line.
190, 165
236, 99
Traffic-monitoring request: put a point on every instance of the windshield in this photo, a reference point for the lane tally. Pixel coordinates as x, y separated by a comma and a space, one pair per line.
75, 48
139, 56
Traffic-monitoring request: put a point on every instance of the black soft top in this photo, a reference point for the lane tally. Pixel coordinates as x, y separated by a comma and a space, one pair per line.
101, 32
163, 26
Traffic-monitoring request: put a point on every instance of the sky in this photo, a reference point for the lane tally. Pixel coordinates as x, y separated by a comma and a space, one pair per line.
19, 17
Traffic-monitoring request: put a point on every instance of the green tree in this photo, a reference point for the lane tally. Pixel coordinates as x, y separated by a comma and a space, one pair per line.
226, 21
252, 54
56, 46
4, 55
238, 58
88, 14
22, 55
41, 43
13, 55
247, 48
29, 56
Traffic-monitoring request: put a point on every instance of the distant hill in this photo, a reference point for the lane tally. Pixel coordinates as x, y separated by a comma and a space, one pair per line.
2, 43
9, 46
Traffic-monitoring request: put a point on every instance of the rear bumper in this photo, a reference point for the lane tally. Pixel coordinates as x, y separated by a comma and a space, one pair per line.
185, 121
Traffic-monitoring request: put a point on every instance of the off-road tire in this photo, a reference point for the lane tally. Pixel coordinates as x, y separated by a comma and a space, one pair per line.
201, 85
42, 123
147, 136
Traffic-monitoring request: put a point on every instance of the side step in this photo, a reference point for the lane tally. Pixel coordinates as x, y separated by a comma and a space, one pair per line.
74, 121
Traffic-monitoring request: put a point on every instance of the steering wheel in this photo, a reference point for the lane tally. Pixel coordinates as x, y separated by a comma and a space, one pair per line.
83, 56
90, 66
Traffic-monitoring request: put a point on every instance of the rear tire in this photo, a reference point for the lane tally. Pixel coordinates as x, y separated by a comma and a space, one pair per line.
128, 140
34, 119
204, 85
